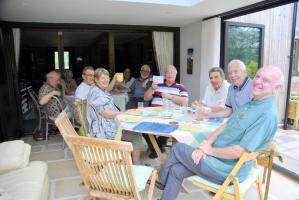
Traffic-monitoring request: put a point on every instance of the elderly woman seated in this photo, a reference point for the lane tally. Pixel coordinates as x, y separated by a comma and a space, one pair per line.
101, 113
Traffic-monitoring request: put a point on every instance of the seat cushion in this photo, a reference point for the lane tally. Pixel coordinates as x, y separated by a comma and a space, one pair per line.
26, 183
142, 174
14, 154
244, 186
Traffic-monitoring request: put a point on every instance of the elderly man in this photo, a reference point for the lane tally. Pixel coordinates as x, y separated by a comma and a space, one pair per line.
88, 80
176, 94
251, 128
239, 92
216, 91
48, 90
139, 86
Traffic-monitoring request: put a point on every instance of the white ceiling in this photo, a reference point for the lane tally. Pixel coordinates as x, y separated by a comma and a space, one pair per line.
113, 12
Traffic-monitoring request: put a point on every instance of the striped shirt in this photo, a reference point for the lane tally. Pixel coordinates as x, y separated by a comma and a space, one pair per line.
238, 96
174, 89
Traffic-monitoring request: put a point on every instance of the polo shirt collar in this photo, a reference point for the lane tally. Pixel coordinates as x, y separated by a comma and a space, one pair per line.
257, 102
243, 84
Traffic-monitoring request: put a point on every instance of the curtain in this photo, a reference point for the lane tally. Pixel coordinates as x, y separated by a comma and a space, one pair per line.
17, 44
163, 48
210, 50
10, 104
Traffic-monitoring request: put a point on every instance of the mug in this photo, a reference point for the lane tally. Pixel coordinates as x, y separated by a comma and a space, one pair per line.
119, 77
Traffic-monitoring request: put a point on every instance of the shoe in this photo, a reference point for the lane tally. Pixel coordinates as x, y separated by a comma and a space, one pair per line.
159, 185
153, 155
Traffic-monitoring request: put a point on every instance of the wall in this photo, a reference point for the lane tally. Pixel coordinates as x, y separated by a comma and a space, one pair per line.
191, 38
277, 41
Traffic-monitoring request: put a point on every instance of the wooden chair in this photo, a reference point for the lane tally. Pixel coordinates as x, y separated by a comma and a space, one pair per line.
237, 189
107, 170
265, 159
65, 126
80, 115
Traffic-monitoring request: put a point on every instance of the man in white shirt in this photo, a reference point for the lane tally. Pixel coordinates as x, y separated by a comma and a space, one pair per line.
88, 80
216, 92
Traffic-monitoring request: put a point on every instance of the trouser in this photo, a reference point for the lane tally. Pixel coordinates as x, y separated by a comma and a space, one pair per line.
179, 165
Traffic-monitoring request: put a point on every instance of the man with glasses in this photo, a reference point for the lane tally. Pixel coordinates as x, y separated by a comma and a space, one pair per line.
139, 86
88, 80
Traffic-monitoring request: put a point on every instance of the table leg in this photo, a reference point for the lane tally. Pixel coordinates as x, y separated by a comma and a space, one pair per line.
156, 147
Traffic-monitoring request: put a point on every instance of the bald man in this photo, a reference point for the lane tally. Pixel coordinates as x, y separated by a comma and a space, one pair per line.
48, 90
251, 128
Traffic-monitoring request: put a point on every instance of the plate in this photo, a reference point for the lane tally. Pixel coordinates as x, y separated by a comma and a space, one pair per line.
130, 119
134, 112
193, 127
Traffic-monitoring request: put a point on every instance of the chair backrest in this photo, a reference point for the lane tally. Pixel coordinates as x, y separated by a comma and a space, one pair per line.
54, 108
80, 114
65, 126
105, 166
34, 98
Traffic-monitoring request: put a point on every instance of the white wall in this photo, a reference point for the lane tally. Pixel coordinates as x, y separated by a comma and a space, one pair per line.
204, 37
191, 38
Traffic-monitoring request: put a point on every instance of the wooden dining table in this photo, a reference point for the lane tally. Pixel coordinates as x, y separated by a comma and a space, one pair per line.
187, 130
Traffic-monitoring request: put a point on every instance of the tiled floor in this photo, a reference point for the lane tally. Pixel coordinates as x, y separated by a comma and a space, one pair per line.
66, 181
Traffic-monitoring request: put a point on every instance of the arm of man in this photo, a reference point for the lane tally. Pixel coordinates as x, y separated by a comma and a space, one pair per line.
231, 152
225, 112
46, 98
181, 100
148, 95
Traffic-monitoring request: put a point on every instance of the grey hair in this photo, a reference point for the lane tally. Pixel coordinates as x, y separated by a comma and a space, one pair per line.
217, 69
99, 72
171, 67
237, 62
50, 74
87, 68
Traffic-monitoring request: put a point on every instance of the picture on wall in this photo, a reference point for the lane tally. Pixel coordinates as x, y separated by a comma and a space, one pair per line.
189, 61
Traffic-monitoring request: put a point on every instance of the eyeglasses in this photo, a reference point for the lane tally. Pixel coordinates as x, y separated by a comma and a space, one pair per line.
89, 75
145, 71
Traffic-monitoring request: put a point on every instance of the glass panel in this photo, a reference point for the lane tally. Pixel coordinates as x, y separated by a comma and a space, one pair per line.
66, 60
244, 44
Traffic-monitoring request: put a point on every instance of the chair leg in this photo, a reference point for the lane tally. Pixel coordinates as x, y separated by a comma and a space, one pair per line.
259, 188
270, 163
152, 185
47, 132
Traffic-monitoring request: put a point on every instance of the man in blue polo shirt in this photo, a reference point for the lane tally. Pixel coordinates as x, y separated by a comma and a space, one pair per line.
239, 91
251, 128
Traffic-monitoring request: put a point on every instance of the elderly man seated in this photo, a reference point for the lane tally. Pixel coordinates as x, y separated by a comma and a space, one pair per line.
216, 91
239, 92
47, 91
176, 94
88, 80
251, 128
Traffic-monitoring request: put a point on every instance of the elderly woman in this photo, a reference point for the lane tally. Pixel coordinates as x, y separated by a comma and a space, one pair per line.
100, 108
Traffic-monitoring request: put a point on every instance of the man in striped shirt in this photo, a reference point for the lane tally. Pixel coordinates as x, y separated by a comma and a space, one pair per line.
176, 94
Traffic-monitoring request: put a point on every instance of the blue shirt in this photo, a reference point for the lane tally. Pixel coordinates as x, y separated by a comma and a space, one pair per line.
252, 127
137, 89
238, 96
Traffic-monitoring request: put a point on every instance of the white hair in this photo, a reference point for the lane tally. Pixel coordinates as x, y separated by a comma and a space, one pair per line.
237, 62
